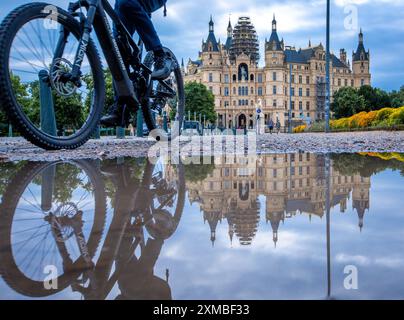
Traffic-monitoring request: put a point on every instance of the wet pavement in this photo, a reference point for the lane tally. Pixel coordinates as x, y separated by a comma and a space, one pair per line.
18, 149
276, 226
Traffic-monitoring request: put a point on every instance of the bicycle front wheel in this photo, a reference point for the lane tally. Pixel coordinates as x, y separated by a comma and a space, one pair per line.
38, 45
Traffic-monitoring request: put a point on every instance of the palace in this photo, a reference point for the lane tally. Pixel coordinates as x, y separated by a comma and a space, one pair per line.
291, 78
291, 184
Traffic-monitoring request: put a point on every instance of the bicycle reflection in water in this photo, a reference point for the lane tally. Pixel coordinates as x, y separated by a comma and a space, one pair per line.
55, 214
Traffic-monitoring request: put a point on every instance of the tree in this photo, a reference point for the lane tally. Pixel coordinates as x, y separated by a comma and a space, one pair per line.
109, 90
199, 100
397, 98
347, 102
70, 112
22, 95
375, 99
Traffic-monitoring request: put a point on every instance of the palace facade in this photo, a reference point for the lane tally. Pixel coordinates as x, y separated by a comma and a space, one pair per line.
290, 78
292, 184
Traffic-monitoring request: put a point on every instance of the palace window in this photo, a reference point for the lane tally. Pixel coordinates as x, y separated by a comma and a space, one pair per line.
252, 90
274, 76
234, 90
352, 83
300, 105
260, 78
274, 89
308, 80
252, 77
260, 91
293, 78
307, 92
211, 89
362, 82
226, 78
234, 78
226, 91
308, 105
300, 79
346, 82
339, 82
210, 77
300, 92
292, 92
274, 104
293, 106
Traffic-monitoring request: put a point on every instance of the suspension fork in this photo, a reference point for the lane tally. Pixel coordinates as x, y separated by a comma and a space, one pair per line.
84, 41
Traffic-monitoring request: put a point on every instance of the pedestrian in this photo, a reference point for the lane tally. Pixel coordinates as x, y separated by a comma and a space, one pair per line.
271, 126
278, 126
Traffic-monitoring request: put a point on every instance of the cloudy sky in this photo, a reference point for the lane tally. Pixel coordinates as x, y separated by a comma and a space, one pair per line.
298, 21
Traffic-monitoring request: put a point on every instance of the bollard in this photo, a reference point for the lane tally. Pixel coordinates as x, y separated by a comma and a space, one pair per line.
139, 124
120, 133
47, 115
165, 121
10, 130
48, 178
97, 133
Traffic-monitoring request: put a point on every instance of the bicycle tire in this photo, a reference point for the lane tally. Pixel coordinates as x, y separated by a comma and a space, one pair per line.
9, 270
8, 31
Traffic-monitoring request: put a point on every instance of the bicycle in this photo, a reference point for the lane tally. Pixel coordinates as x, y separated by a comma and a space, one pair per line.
63, 55
147, 199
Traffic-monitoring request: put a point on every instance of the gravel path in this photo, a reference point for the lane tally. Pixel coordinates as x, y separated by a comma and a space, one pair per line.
16, 149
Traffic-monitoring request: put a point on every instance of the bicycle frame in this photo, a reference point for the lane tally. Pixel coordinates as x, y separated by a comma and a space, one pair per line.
98, 12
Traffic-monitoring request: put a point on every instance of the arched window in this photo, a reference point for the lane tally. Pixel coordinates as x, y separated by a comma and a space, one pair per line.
234, 78
251, 77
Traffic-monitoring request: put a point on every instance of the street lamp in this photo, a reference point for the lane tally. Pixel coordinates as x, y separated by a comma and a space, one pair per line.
327, 72
290, 99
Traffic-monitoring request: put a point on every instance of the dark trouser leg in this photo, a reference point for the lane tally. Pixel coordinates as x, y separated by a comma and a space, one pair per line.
135, 18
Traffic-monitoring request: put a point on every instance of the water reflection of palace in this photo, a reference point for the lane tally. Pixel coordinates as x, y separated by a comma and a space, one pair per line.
291, 184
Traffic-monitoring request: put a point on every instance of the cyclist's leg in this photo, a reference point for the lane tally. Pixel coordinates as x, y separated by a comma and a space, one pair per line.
135, 18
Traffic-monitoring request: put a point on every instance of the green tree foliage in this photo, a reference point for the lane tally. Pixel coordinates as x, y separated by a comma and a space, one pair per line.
22, 96
375, 99
200, 100
397, 98
351, 163
69, 111
347, 102
195, 172
109, 90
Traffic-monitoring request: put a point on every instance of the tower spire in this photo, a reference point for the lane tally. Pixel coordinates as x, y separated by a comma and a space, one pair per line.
211, 24
274, 23
229, 28
361, 36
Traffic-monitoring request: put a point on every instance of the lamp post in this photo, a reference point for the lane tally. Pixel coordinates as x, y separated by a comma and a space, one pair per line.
327, 72
290, 98
328, 219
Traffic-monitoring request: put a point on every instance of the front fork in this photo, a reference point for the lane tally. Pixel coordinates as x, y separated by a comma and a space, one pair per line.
85, 38
82, 48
